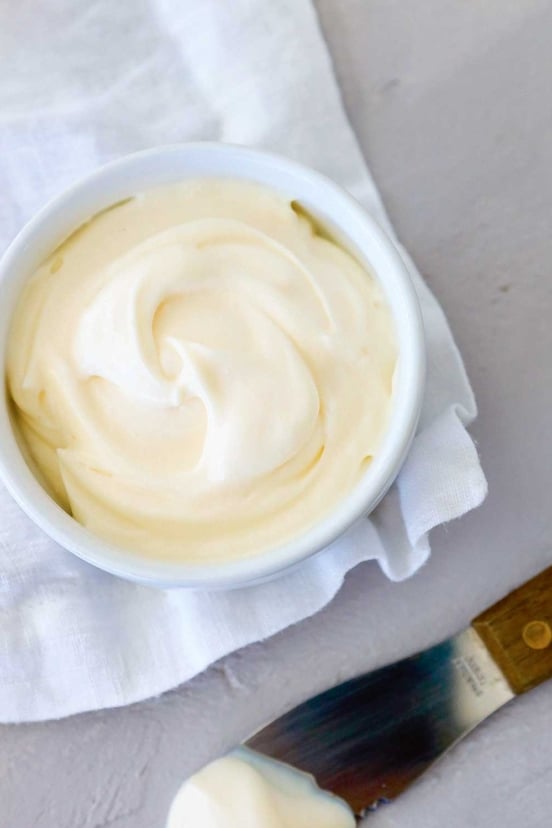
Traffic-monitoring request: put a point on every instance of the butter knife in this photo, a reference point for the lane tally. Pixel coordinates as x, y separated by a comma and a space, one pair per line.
367, 739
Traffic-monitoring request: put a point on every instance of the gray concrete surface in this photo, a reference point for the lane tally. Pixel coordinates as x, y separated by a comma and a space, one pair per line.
451, 103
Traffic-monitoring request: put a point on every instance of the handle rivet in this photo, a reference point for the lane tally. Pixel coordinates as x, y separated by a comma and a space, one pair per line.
537, 635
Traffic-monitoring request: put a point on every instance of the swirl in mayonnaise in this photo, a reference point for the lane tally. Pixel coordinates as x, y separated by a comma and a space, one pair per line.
199, 375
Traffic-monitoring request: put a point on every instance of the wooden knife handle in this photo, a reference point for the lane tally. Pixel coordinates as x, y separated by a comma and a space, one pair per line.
518, 633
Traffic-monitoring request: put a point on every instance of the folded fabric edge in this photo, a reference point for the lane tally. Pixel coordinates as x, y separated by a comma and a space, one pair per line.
441, 480
325, 573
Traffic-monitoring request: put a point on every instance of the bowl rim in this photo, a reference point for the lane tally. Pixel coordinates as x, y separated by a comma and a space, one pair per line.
408, 390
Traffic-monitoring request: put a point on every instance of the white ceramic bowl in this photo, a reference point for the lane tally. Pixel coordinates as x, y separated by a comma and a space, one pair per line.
348, 221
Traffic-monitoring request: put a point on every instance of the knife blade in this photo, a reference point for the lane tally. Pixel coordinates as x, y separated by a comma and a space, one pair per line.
369, 738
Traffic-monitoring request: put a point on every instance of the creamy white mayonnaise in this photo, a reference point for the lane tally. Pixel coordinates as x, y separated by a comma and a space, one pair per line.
198, 374
246, 790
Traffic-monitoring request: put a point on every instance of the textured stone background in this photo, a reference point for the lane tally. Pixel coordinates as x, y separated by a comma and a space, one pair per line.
451, 103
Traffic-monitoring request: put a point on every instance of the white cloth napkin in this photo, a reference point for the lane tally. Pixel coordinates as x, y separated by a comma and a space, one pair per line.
83, 83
